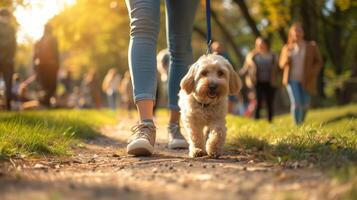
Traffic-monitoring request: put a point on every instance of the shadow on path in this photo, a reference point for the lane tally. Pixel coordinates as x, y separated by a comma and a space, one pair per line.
342, 117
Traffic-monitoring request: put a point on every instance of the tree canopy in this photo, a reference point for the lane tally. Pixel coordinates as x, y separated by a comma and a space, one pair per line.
95, 34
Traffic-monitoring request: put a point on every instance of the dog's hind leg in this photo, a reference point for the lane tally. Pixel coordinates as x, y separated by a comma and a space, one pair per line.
215, 142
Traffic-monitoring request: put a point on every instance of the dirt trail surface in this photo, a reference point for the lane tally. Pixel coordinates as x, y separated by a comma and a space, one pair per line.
100, 169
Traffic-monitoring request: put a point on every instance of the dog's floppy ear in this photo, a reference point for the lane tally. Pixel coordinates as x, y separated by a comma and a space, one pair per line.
235, 83
188, 81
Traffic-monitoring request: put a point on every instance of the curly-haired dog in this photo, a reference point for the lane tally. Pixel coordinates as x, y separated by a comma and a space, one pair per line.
203, 103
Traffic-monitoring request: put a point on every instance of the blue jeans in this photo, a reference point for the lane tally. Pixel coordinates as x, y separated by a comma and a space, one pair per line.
299, 101
112, 100
144, 29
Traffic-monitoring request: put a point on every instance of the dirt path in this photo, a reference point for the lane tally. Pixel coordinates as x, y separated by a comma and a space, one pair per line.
102, 170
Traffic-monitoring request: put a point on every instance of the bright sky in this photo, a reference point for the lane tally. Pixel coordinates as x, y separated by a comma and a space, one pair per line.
33, 18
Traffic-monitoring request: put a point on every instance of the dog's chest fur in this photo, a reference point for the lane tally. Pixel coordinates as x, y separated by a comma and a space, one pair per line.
195, 111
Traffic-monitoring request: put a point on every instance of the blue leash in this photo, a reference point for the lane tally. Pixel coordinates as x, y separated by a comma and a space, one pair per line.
208, 25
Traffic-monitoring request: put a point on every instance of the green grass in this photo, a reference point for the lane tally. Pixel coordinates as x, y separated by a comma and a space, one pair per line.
329, 136
48, 132
328, 139
347, 176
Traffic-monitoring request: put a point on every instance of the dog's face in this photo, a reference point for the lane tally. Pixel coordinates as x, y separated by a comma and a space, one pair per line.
211, 79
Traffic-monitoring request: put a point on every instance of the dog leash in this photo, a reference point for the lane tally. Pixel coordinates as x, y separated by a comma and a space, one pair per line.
208, 25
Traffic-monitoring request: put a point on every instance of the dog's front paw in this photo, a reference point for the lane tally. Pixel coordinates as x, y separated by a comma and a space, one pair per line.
197, 152
214, 155
214, 152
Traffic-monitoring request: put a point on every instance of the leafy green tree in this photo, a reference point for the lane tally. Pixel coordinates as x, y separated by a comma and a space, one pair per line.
93, 34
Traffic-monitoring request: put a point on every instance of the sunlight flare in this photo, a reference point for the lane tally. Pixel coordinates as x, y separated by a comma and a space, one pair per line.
32, 19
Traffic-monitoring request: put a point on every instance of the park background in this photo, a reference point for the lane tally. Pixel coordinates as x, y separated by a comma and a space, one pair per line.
95, 34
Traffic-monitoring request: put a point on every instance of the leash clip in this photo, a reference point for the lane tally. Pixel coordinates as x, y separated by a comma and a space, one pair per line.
209, 47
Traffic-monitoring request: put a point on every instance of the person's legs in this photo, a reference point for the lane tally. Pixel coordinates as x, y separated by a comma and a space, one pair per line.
145, 109
144, 29
7, 75
180, 17
295, 100
304, 100
305, 103
270, 92
111, 101
259, 92
50, 86
179, 24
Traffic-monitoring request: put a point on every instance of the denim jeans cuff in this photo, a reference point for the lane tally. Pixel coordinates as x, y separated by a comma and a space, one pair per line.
144, 96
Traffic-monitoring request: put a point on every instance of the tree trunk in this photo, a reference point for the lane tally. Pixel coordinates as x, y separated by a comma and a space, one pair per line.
250, 21
309, 22
333, 39
200, 32
282, 35
228, 37
354, 66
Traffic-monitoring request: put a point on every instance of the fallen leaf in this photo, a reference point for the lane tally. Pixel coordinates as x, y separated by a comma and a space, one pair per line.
40, 166
203, 177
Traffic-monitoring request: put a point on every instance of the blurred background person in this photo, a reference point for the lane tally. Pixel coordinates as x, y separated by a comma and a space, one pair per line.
66, 81
163, 61
46, 61
301, 63
110, 87
261, 69
126, 91
7, 52
90, 90
239, 108
218, 48
75, 99
15, 92
24, 98
251, 104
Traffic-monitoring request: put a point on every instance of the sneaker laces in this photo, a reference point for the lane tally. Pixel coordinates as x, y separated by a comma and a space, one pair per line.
143, 130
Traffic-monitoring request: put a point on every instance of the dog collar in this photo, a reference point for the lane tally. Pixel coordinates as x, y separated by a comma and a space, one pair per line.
203, 105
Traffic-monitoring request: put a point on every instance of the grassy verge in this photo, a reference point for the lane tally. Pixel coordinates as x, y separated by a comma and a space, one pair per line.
329, 136
328, 139
347, 177
48, 132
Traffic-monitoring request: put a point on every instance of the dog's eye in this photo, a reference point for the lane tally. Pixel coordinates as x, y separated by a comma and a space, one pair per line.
220, 73
204, 73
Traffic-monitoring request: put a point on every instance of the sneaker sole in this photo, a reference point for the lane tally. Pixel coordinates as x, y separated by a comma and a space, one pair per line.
139, 152
140, 148
181, 144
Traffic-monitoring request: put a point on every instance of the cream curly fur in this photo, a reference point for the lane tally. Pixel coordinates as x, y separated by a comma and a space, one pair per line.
203, 110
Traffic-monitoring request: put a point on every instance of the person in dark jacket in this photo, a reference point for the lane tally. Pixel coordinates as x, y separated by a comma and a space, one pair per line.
7, 52
46, 61
261, 66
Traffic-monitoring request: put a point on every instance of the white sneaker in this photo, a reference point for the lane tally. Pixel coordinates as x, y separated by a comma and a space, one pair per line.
143, 140
176, 140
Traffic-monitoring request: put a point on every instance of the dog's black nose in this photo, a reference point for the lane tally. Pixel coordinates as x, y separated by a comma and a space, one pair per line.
212, 86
